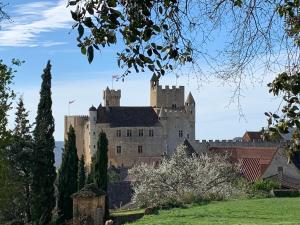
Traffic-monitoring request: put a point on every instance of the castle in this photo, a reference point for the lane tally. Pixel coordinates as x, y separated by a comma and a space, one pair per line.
136, 134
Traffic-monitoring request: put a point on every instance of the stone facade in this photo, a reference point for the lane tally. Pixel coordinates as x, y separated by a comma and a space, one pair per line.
136, 134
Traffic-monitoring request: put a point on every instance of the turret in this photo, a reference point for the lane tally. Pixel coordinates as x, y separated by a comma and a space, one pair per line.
93, 114
111, 97
190, 105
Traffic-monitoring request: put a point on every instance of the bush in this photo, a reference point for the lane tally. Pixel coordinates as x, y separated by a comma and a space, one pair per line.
265, 185
183, 179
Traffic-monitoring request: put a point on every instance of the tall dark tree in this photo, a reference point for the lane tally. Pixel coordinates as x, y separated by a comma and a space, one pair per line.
101, 163
19, 154
81, 173
43, 170
68, 177
7, 184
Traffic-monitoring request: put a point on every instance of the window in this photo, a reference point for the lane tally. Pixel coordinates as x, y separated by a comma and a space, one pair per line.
94, 146
128, 133
94, 133
119, 150
180, 134
118, 133
150, 133
141, 133
174, 106
188, 136
140, 149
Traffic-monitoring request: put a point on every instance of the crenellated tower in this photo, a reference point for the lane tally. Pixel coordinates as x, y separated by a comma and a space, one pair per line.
168, 97
111, 97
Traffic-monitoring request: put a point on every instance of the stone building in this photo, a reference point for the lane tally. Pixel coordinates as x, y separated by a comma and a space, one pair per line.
136, 134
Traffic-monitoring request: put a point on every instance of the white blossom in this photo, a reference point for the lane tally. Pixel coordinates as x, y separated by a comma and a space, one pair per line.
182, 179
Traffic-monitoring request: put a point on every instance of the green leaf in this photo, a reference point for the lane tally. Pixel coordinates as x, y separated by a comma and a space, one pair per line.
83, 50
80, 31
90, 54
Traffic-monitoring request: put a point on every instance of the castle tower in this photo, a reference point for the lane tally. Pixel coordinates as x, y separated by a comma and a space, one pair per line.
92, 131
111, 97
190, 111
169, 97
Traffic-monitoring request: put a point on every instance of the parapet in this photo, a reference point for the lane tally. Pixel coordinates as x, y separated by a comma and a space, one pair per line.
233, 143
173, 87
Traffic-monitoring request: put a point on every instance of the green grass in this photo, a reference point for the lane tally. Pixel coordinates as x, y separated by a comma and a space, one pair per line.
253, 211
127, 212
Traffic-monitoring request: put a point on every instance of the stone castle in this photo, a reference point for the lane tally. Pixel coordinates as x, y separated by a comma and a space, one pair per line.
136, 134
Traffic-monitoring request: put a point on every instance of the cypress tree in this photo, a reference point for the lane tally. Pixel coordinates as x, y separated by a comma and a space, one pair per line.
81, 173
67, 177
100, 168
43, 170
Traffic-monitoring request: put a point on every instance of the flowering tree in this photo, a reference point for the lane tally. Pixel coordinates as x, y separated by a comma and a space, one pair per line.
181, 179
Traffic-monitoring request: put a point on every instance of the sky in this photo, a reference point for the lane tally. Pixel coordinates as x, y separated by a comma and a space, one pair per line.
42, 30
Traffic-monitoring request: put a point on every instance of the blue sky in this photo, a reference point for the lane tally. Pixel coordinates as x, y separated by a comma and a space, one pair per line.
41, 30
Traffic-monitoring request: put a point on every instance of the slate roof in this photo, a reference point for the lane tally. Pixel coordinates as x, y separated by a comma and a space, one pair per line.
127, 116
190, 151
285, 181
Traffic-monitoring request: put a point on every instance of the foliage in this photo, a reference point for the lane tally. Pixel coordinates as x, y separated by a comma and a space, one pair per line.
19, 154
100, 166
288, 85
43, 170
6, 95
68, 177
161, 35
243, 212
182, 179
113, 176
81, 173
265, 185
8, 183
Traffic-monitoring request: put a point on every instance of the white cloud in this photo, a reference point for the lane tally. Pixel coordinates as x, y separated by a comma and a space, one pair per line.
32, 20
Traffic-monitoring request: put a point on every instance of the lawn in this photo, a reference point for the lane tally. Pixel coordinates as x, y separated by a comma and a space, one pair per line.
253, 211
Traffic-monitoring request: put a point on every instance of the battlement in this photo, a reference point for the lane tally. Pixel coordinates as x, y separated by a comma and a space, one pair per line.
77, 116
173, 87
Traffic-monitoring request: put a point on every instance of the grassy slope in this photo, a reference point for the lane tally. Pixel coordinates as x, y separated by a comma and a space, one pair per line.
255, 211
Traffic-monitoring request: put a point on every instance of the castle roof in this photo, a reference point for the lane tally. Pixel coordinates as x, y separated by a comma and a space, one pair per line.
190, 98
127, 116
189, 150
93, 108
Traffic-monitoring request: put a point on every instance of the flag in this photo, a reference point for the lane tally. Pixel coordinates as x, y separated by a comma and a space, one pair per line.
114, 76
70, 102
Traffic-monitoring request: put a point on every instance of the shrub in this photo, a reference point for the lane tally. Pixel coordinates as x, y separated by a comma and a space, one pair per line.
183, 179
265, 185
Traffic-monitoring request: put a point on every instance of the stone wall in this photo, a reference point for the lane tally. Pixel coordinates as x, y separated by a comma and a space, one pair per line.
78, 123
119, 193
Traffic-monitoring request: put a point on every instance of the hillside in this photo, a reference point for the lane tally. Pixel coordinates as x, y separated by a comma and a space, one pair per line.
242, 212
58, 151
